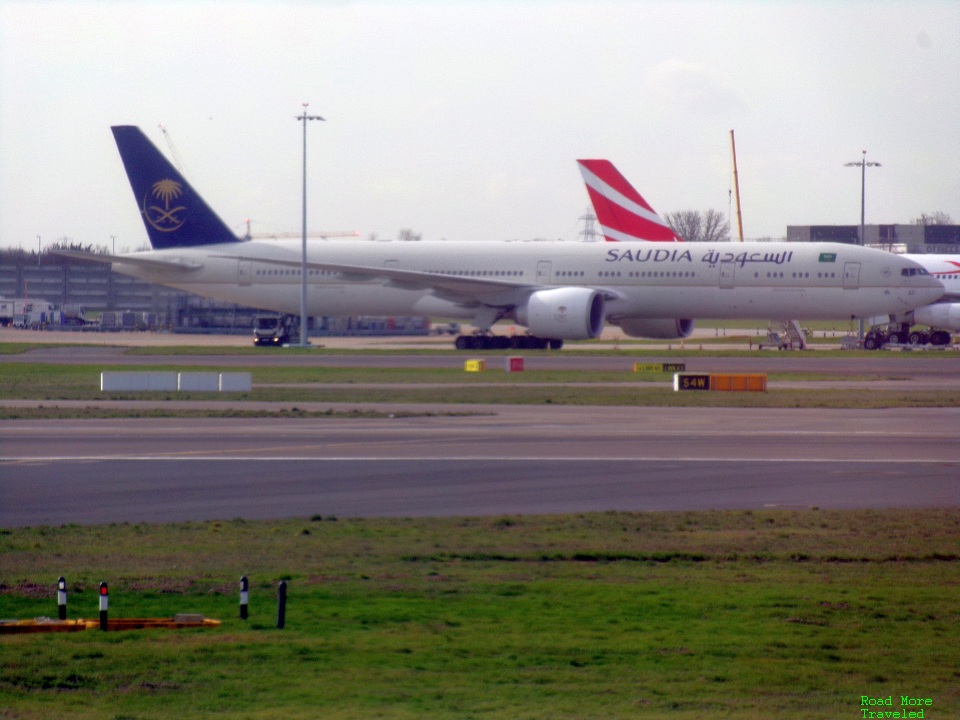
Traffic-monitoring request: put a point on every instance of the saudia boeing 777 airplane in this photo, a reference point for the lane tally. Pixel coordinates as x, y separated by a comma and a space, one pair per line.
557, 290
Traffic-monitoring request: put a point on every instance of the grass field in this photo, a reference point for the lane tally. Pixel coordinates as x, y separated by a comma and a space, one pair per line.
746, 615
51, 382
615, 615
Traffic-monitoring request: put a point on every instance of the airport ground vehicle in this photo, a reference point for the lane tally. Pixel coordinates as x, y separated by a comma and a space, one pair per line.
36, 314
274, 330
450, 328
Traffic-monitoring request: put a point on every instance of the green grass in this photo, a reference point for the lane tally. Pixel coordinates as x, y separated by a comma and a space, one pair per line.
52, 382
619, 615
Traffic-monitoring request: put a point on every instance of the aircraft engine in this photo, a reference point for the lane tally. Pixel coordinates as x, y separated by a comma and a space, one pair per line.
940, 315
569, 313
657, 329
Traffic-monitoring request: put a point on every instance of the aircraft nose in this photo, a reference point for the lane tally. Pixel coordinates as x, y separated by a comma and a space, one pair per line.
921, 284
930, 284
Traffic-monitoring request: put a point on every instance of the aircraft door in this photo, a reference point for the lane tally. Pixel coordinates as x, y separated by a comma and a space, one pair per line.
728, 270
851, 275
244, 272
544, 272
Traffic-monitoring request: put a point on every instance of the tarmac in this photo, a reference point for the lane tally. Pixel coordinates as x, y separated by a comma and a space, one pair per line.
472, 459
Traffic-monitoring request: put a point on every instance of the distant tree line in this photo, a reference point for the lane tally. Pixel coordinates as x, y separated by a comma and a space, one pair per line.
19, 256
405, 234
712, 226
934, 218
695, 226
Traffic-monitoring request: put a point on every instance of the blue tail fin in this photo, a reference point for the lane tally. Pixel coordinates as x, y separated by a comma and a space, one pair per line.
173, 212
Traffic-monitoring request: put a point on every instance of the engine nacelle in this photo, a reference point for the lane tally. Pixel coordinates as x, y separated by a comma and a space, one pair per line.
569, 313
939, 315
657, 328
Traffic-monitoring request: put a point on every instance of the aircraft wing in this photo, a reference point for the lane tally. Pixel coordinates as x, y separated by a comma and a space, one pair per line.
153, 263
489, 291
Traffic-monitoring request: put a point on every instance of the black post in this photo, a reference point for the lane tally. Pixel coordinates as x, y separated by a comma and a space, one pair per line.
104, 601
281, 604
244, 597
62, 599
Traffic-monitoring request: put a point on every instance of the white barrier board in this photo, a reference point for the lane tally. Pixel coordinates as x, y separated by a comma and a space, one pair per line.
198, 382
236, 382
160, 381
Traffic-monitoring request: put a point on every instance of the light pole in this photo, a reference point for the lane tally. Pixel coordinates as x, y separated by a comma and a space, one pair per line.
863, 165
304, 341
114, 238
38, 251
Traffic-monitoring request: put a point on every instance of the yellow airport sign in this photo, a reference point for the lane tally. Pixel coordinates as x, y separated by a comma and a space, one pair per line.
659, 367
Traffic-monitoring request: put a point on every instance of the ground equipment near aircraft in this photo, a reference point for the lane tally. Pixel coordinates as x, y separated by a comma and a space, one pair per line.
275, 330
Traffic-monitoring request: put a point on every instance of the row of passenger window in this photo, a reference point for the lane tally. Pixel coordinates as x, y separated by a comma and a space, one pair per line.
798, 275
566, 274
646, 274
478, 273
289, 273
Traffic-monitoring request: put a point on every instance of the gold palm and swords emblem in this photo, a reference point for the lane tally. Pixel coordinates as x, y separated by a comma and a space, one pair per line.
164, 218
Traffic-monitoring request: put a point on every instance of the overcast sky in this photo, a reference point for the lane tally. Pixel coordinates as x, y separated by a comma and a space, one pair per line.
463, 120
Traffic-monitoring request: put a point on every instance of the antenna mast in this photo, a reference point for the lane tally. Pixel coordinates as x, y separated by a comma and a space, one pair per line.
589, 232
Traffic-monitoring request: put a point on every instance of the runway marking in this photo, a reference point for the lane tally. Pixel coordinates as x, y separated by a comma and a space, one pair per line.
466, 458
689, 431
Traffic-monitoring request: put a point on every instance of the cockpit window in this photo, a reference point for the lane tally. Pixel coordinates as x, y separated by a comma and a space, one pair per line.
913, 271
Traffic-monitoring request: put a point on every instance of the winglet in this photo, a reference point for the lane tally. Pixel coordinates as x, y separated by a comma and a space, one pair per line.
173, 212
623, 214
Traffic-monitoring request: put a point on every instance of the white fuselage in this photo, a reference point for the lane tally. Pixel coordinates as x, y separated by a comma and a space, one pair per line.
944, 314
640, 280
945, 268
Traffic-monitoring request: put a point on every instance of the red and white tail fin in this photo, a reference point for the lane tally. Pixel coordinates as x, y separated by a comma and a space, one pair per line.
623, 214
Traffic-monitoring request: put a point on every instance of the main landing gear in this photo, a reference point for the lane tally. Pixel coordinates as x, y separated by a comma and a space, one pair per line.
504, 342
904, 334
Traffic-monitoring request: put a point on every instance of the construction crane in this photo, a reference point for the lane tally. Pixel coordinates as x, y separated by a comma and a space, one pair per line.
736, 183
173, 149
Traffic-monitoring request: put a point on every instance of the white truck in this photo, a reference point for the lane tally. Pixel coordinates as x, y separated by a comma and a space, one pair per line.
275, 330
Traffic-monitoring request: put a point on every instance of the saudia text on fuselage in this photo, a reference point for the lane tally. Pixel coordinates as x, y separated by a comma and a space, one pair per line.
711, 258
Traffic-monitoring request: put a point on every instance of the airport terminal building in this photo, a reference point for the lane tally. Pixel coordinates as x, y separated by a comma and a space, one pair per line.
97, 288
914, 239
122, 302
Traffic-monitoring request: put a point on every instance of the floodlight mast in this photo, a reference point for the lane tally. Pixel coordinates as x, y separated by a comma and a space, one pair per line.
304, 341
863, 165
